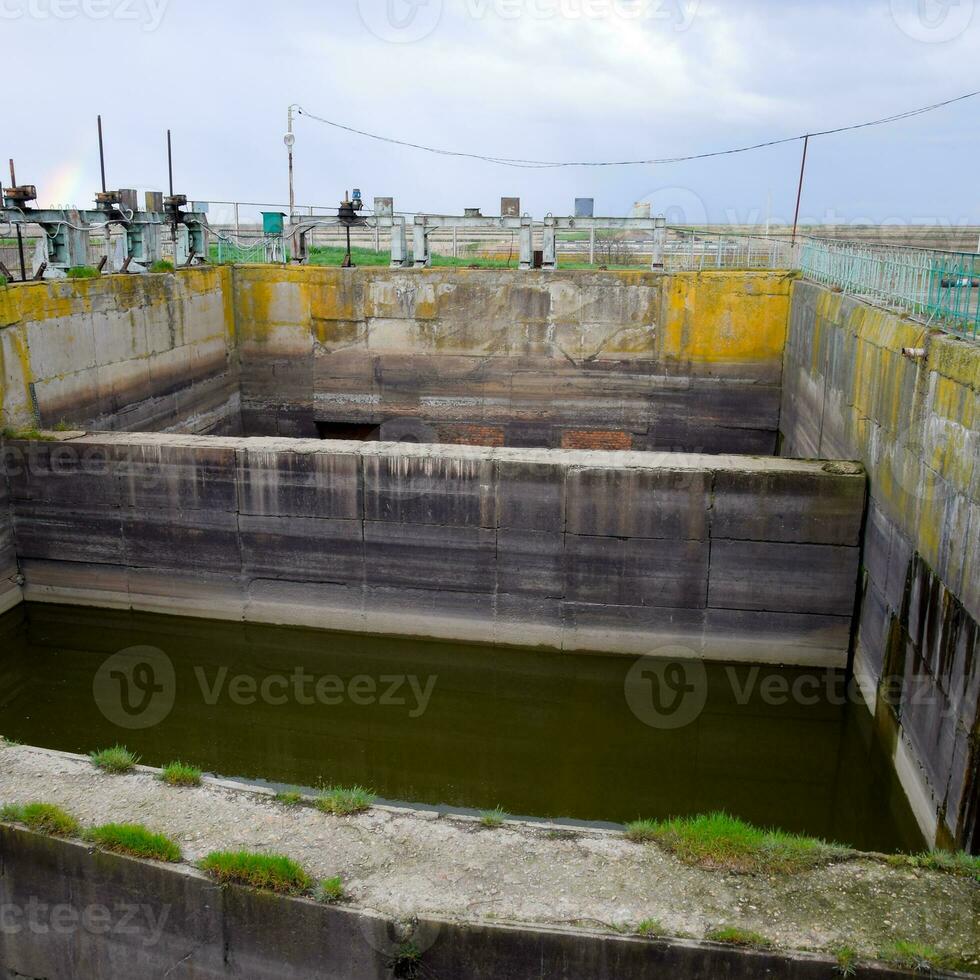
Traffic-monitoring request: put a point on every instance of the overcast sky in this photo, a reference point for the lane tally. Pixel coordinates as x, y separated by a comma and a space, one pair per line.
540, 79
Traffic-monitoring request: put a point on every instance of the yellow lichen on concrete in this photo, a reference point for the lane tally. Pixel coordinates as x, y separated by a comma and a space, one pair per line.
726, 317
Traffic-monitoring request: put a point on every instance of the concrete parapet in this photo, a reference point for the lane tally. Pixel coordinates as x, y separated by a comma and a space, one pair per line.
612, 552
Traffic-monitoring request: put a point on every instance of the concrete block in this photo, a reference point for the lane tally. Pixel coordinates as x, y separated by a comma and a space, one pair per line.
530, 562
281, 482
746, 636
530, 494
204, 540
50, 532
631, 629
665, 572
779, 577
814, 508
302, 549
638, 503
430, 557
430, 488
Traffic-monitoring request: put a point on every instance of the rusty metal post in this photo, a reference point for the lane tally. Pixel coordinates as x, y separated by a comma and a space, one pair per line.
20, 237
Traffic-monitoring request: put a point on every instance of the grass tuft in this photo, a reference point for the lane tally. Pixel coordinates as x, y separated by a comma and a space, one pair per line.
135, 840
116, 760
45, 818
406, 964
493, 818
331, 890
26, 435
162, 265
181, 774
720, 842
733, 936
344, 801
83, 272
271, 872
916, 956
289, 798
961, 864
847, 959
651, 929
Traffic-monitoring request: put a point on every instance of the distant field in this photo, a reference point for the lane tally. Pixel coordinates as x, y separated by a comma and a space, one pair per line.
954, 239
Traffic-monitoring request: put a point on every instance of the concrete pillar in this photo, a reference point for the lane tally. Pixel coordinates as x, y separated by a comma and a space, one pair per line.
399, 243
420, 244
550, 245
527, 243
659, 242
592, 246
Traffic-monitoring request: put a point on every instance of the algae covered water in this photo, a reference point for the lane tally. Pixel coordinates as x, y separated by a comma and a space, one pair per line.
538, 733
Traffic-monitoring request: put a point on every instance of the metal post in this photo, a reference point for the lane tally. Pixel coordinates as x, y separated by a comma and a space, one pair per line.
799, 193
102, 162
592, 246
455, 247
20, 237
238, 227
290, 142
659, 240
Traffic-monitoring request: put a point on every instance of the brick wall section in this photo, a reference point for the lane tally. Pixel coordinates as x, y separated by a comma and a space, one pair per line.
596, 439
471, 435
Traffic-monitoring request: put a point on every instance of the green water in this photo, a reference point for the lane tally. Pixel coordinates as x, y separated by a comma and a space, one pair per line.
537, 733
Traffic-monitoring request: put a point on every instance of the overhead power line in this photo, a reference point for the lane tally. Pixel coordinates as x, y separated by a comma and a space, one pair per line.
532, 164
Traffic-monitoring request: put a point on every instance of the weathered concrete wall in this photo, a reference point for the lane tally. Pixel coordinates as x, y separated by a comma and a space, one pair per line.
914, 423
736, 559
610, 360
70, 911
10, 591
151, 353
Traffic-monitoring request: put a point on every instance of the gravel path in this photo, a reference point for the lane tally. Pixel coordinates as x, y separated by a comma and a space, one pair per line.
404, 863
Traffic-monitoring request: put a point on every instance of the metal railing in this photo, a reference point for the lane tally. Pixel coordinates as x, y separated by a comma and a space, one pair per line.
941, 288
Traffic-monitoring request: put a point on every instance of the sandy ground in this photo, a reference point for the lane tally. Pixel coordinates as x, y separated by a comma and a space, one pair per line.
404, 863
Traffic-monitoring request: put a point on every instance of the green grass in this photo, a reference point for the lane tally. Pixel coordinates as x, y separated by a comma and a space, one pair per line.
733, 936
331, 890
651, 929
64, 426
720, 842
181, 774
847, 959
45, 818
116, 760
26, 435
162, 265
135, 840
289, 799
406, 964
493, 818
917, 957
344, 801
961, 864
271, 872
83, 272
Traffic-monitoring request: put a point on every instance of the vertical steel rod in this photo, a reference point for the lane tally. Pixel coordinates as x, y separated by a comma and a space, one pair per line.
102, 155
20, 237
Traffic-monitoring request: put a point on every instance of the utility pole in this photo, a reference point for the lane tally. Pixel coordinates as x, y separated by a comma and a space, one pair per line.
290, 141
799, 193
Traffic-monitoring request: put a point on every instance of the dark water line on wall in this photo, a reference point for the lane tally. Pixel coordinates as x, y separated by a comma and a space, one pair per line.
581, 737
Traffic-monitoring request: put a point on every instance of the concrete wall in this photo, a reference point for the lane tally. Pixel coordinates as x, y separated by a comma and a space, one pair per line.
610, 360
849, 392
10, 591
737, 559
151, 353
70, 911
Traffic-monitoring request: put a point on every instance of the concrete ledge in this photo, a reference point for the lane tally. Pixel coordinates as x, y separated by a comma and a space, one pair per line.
116, 917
